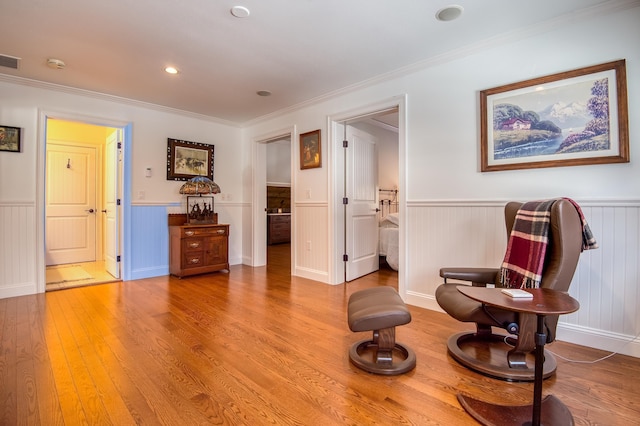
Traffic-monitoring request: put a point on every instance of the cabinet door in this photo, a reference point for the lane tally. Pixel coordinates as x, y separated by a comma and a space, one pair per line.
216, 251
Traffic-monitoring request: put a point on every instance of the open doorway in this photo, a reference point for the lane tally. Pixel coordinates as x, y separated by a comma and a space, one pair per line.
82, 213
356, 232
273, 206
372, 181
279, 200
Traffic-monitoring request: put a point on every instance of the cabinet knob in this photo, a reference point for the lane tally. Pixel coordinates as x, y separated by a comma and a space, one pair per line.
189, 233
220, 231
194, 260
194, 244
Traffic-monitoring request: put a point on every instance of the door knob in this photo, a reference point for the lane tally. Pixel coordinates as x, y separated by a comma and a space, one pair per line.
104, 211
90, 211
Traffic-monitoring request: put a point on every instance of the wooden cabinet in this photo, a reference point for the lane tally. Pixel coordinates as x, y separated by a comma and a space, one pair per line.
198, 249
278, 228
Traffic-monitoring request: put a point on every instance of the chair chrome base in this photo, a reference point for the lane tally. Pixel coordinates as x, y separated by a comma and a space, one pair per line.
488, 355
366, 355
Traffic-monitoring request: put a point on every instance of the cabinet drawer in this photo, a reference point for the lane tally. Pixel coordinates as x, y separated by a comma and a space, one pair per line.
280, 227
192, 260
280, 219
207, 231
193, 244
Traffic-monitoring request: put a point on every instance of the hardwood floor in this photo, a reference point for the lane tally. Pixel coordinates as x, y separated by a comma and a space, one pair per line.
254, 346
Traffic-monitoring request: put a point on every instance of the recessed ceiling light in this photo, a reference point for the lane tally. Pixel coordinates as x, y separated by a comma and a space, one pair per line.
240, 11
171, 70
449, 13
263, 93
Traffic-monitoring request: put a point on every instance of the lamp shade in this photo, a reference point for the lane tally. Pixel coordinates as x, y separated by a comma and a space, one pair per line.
200, 185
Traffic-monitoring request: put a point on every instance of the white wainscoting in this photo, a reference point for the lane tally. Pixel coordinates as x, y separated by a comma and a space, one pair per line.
17, 249
311, 235
471, 233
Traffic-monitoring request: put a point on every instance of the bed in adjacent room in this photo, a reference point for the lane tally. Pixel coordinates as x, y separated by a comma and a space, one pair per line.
388, 234
388, 239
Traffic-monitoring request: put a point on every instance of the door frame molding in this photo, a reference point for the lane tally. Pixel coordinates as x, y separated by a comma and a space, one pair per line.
125, 232
336, 218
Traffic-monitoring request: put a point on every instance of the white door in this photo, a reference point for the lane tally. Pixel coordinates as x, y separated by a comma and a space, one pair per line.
361, 210
112, 165
70, 204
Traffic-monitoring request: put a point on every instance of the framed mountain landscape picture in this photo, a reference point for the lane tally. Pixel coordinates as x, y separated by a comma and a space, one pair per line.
571, 118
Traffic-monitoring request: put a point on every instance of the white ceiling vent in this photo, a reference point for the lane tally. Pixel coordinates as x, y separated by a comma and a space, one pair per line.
9, 61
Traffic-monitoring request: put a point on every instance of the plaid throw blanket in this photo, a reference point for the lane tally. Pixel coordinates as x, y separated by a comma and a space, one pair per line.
527, 246
588, 240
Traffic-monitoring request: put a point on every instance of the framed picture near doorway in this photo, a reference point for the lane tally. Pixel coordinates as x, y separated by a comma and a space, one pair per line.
186, 160
9, 139
310, 150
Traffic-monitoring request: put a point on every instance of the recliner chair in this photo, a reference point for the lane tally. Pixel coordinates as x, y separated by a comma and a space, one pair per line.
499, 355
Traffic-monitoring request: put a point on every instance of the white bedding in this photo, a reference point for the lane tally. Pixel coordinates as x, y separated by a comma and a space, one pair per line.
388, 239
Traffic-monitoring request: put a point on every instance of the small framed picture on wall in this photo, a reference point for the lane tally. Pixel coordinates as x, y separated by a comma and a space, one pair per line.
310, 150
10, 138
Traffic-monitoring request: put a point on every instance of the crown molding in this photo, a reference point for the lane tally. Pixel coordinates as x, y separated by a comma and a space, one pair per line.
601, 9
110, 98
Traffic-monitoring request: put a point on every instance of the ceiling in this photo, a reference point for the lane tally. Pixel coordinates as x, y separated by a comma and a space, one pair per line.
299, 50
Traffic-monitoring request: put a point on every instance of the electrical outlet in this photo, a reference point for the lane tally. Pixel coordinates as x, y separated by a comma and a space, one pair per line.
308, 194
228, 197
141, 195
308, 245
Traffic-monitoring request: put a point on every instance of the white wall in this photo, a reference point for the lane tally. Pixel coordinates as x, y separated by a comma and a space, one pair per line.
21, 210
453, 213
279, 162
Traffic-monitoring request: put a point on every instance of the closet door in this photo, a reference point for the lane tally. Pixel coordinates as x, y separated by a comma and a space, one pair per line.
70, 203
361, 210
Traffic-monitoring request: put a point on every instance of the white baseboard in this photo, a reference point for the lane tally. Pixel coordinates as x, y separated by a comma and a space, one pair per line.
156, 271
18, 289
312, 274
606, 341
421, 300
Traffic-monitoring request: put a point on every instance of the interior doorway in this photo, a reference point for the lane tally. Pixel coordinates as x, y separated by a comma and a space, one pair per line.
273, 200
391, 115
82, 214
371, 176
279, 198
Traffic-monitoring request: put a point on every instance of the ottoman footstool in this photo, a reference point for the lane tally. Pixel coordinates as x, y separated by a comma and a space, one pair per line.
380, 310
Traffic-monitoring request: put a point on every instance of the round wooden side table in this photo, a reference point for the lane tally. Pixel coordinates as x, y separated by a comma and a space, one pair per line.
550, 410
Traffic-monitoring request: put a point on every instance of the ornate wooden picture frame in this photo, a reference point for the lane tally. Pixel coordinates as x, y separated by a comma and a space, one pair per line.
186, 160
567, 119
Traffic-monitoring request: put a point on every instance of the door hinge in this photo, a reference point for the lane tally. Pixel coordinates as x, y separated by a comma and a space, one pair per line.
118, 202
119, 145
345, 144
345, 200
345, 257
117, 258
